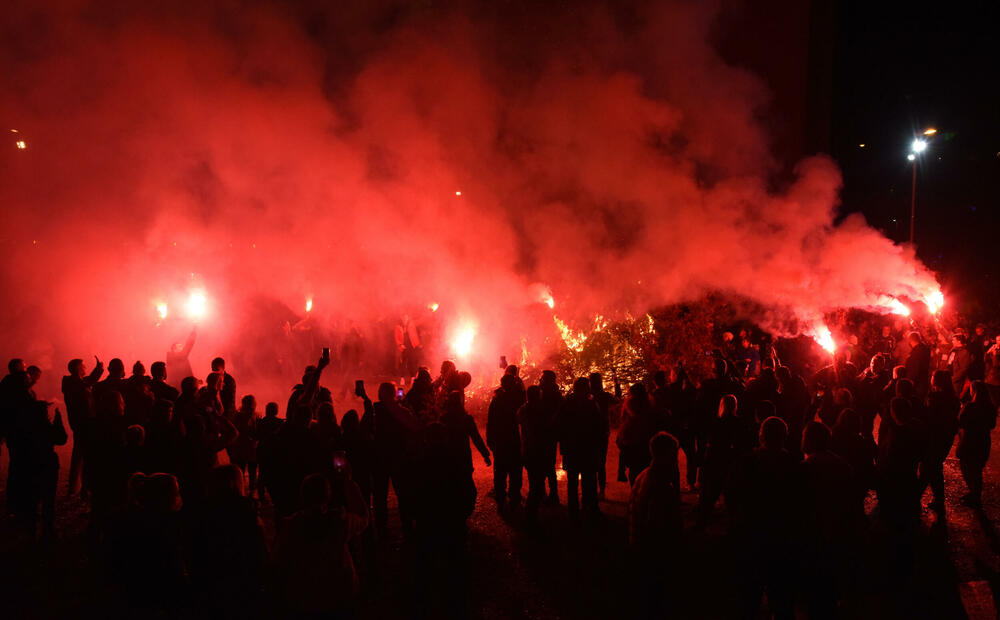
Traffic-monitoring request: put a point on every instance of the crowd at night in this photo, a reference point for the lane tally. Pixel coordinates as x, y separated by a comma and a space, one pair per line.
174, 472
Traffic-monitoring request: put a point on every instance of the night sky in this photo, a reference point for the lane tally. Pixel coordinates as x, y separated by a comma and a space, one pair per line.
897, 70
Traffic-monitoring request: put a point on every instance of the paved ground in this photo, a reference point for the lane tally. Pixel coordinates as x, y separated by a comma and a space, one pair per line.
569, 571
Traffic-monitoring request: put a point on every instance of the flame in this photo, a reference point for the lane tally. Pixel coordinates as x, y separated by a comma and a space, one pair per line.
824, 338
898, 307
934, 301
197, 304
309, 304
650, 325
433, 306
161, 310
549, 301
574, 340
461, 341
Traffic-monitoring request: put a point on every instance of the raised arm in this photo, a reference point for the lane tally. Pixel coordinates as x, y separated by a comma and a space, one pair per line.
477, 440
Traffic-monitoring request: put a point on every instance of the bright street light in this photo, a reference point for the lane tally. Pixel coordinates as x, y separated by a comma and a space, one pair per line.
919, 146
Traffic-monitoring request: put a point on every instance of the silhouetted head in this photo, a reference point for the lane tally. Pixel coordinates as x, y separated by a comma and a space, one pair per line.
899, 372
325, 414
773, 433
464, 380
596, 383
271, 410
663, 448
511, 370
350, 423
901, 410
213, 383
727, 406
162, 494
815, 438
848, 422
315, 492
980, 329
581, 387
534, 394
138, 370
448, 368
877, 365
386, 392
248, 404
116, 368
218, 365
660, 379
34, 374
843, 398
508, 382
548, 379
959, 340
189, 385
15, 365
904, 388
423, 379
135, 436
719, 368
76, 368
158, 371
915, 339
135, 489
784, 374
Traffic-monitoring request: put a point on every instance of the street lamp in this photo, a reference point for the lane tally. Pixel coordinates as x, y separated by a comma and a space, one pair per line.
918, 146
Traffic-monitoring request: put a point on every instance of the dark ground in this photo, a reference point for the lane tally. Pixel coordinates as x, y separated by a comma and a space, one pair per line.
570, 571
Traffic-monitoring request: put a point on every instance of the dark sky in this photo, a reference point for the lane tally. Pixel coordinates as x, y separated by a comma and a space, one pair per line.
898, 69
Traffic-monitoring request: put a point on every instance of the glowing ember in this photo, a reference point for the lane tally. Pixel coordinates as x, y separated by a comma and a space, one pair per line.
433, 306
21, 144
161, 310
197, 305
458, 193
934, 301
309, 305
461, 341
824, 338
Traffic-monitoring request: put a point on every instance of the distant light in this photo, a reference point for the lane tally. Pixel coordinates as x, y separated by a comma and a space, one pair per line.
161, 309
930, 132
21, 144
309, 305
919, 146
862, 145
433, 306
458, 193
197, 304
14, 131
911, 157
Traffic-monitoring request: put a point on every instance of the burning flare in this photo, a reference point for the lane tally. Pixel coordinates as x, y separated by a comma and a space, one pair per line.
934, 301
161, 309
461, 341
824, 338
197, 305
309, 305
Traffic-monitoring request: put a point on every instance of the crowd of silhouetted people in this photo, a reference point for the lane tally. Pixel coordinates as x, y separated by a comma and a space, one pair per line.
174, 478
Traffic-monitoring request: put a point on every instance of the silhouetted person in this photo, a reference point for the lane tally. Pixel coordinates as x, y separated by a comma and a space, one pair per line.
639, 424
420, 398
992, 370
868, 397
228, 552
504, 440
791, 406
975, 423
243, 452
295, 454
943, 406
158, 385
682, 424
720, 456
536, 428
315, 575
396, 442
552, 400
763, 495
581, 431
267, 430
164, 439
178, 364
186, 404
78, 395
959, 363
227, 389
901, 453
138, 396
654, 519
605, 401
918, 364
114, 382
135, 457
826, 518
849, 442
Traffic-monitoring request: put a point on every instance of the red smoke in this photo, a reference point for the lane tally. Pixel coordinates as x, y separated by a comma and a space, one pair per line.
377, 159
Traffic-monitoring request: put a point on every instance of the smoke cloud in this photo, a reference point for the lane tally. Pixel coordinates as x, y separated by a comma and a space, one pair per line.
377, 158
